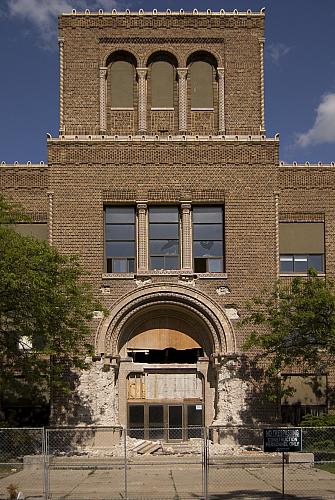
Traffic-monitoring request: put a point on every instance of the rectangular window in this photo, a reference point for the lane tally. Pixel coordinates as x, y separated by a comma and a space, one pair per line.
308, 395
301, 263
208, 239
301, 246
164, 237
120, 239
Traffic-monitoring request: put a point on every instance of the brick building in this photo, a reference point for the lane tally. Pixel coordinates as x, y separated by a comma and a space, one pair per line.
163, 180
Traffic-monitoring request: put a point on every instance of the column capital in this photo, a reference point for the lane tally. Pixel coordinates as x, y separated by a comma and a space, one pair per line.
103, 69
142, 72
185, 205
220, 72
262, 40
61, 41
182, 72
141, 205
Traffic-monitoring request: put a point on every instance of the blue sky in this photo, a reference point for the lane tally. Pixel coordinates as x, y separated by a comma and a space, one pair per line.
299, 72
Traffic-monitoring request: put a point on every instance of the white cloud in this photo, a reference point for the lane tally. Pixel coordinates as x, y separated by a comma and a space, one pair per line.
323, 130
277, 51
42, 14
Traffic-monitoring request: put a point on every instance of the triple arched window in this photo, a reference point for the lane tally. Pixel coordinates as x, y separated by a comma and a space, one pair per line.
162, 95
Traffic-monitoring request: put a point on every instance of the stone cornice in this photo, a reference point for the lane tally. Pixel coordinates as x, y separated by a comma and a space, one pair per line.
163, 138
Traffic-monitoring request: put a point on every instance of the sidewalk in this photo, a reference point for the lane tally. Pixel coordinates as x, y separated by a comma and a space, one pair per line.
174, 480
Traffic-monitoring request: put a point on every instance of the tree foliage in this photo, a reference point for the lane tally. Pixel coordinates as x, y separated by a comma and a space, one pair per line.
294, 327
45, 309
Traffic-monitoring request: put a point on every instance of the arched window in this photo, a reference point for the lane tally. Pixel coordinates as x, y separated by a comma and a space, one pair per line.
121, 84
162, 79
201, 76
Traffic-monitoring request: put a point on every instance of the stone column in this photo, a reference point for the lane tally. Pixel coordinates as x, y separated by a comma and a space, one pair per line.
103, 103
222, 125
61, 85
261, 45
142, 239
186, 233
142, 100
182, 95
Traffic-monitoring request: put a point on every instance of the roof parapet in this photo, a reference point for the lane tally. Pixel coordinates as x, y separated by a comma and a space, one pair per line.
307, 164
168, 12
28, 164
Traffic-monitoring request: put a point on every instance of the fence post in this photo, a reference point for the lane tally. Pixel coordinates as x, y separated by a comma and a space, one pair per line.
205, 464
125, 463
45, 451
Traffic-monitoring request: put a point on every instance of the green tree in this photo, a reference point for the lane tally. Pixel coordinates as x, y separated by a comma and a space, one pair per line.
293, 327
45, 309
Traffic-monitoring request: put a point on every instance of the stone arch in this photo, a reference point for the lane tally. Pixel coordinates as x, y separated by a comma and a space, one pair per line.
162, 55
203, 55
119, 54
218, 326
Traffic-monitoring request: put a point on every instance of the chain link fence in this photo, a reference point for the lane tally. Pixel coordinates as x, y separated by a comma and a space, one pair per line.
22, 455
215, 463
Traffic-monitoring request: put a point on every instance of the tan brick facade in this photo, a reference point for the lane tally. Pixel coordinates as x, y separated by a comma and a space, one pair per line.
103, 158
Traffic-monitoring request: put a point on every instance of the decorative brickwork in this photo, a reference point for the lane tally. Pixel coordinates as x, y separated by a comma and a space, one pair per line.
122, 122
202, 122
161, 122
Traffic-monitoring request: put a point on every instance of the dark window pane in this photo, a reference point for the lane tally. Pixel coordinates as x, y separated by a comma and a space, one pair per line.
171, 262
208, 249
207, 214
131, 265
136, 421
157, 263
300, 263
175, 422
164, 231
316, 261
120, 232
109, 265
120, 249
207, 231
163, 214
120, 215
164, 247
286, 263
215, 265
200, 265
120, 266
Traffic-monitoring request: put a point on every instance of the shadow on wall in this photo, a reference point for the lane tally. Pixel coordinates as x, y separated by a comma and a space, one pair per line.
71, 408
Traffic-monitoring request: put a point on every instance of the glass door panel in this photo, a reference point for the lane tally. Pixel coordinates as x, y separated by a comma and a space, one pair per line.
175, 422
194, 421
156, 422
136, 421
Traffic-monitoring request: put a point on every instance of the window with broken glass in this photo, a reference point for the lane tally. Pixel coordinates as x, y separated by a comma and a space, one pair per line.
164, 238
208, 239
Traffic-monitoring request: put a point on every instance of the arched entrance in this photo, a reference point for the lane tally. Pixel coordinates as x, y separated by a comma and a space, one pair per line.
164, 343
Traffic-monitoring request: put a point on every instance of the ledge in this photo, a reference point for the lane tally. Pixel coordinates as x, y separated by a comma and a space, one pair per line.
299, 275
181, 274
161, 138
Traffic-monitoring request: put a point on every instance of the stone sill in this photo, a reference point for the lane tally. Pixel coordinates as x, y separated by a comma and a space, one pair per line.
299, 275
149, 274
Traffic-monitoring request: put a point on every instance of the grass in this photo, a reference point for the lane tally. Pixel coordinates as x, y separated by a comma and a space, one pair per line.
328, 467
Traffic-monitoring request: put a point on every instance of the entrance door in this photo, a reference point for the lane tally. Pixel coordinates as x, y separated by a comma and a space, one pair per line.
175, 428
156, 421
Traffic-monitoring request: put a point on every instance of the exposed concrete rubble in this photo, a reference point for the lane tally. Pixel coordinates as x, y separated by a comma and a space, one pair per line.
232, 393
98, 392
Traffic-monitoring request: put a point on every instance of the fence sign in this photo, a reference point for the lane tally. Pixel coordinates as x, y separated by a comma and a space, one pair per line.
282, 439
